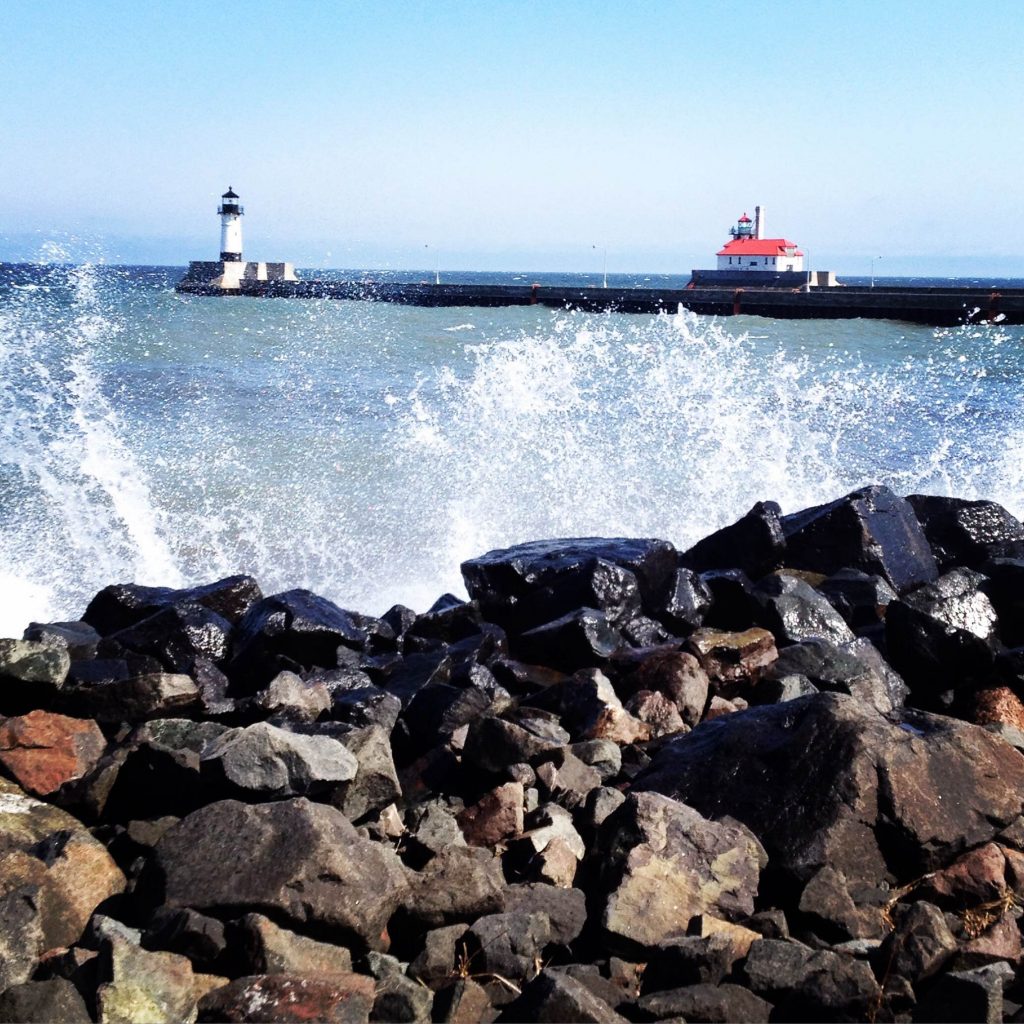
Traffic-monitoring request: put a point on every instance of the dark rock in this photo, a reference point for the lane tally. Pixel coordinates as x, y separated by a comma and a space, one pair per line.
554, 995
778, 687
714, 1004
920, 945
80, 638
438, 710
689, 960
367, 707
522, 587
443, 956
41, 1002
566, 908
177, 635
1005, 589
524, 736
657, 712
135, 699
591, 710
942, 635
600, 803
291, 999
653, 844
448, 624
376, 784
508, 945
270, 949
804, 984
975, 995
212, 685
303, 861
457, 884
967, 533
463, 1001
187, 933
42, 664
904, 793
21, 932
296, 628
401, 999
870, 529
854, 668
860, 599
828, 909
688, 601
567, 779
733, 606
417, 671
604, 756
753, 544
122, 605
522, 679
261, 761
434, 826
580, 639
795, 611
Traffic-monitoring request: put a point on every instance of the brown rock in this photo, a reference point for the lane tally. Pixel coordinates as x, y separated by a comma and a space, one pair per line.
556, 863
729, 658
657, 711
495, 817
979, 876
291, 999
592, 710
44, 750
999, 941
273, 950
998, 704
679, 676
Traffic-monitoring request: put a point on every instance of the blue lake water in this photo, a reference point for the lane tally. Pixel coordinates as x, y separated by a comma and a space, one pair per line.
363, 450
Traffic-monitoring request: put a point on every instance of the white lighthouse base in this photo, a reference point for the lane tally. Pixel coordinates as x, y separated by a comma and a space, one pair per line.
228, 275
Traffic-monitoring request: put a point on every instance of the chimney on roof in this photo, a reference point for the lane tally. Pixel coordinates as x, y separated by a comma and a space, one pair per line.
759, 222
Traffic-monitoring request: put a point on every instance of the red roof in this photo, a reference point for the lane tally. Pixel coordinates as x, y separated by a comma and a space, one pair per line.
759, 247
744, 219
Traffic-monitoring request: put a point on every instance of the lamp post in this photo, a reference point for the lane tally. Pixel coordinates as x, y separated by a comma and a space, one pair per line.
605, 271
873, 258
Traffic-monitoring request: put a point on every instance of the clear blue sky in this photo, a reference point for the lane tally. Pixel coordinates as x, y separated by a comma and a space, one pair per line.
515, 135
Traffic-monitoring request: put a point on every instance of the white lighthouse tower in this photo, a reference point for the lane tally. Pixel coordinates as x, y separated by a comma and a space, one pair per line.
230, 227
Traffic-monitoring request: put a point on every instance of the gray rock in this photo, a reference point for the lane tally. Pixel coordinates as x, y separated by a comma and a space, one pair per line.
525, 736
457, 884
602, 755
554, 996
508, 945
21, 935
289, 696
714, 1004
975, 995
263, 760
35, 661
41, 1002
401, 999
920, 944
806, 984
793, 610
375, 784
154, 987
443, 956
566, 908
303, 861
270, 949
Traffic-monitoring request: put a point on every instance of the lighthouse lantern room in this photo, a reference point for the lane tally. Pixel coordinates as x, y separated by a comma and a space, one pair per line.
230, 227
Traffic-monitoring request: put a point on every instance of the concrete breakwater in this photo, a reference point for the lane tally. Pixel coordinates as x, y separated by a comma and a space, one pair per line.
932, 306
776, 776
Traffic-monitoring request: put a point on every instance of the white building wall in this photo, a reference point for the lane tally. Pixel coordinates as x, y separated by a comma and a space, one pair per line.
771, 264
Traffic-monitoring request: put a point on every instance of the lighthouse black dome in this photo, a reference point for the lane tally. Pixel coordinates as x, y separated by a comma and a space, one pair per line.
230, 194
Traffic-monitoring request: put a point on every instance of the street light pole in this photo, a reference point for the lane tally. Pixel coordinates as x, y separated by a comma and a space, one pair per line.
605, 265
437, 263
873, 258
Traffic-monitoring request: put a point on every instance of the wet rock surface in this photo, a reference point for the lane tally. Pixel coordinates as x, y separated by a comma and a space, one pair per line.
775, 777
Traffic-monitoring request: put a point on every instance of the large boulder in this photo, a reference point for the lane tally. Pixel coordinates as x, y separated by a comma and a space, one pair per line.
530, 584
967, 533
303, 862
43, 751
291, 999
902, 793
871, 529
754, 544
122, 605
177, 636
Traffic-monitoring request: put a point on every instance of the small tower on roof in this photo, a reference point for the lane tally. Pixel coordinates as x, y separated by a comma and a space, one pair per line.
230, 227
744, 228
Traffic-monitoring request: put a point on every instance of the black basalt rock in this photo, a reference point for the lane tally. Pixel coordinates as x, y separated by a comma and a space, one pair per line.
122, 605
581, 639
871, 529
291, 631
967, 532
755, 544
524, 586
177, 636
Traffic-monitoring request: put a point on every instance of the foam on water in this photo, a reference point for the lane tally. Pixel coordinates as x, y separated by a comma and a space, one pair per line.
363, 452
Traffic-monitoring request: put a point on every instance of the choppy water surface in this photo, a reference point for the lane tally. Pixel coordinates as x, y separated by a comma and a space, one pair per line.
363, 450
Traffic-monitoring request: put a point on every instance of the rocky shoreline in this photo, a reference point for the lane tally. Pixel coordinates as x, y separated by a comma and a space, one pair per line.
777, 777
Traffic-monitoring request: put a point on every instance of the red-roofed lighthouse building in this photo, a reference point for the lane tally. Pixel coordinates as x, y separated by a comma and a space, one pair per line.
750, 250
750, 260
